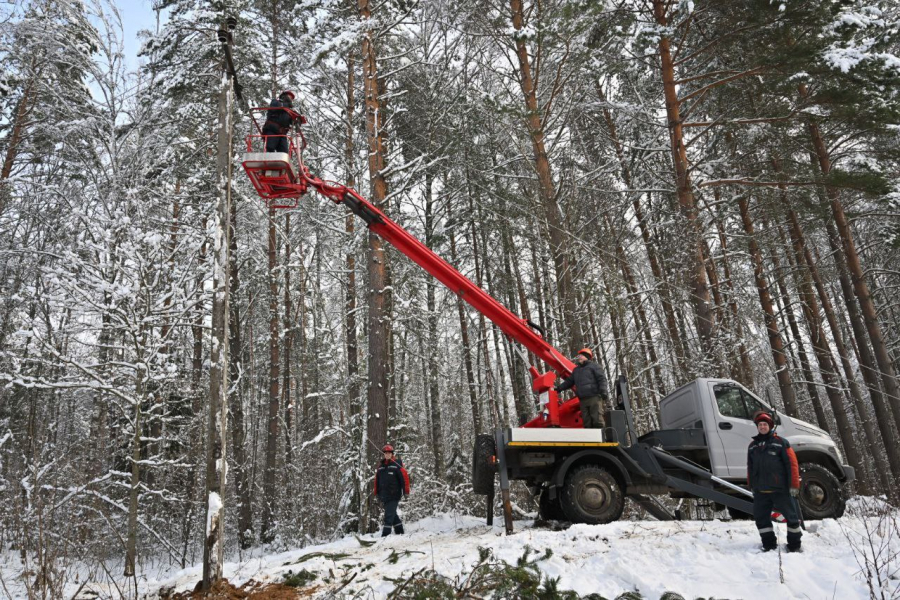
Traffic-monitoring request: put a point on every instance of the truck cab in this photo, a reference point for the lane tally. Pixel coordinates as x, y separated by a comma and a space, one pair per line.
724, 410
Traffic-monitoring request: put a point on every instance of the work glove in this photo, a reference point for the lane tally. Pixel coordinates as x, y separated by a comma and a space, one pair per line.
795, 492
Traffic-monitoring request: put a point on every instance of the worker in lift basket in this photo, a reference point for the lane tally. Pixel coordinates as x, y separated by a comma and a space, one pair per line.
279, 122
590, 387
774, 477
391, 484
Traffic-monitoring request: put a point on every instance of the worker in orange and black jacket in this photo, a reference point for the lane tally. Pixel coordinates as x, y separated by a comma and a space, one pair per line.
590, 386
774, 476
391, 484
279, 120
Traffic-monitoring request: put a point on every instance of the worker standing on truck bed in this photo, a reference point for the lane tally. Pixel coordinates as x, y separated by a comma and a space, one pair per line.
590, 387
391, 484
774, 477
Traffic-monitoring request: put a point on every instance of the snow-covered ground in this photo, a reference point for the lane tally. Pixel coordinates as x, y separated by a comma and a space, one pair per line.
693, 558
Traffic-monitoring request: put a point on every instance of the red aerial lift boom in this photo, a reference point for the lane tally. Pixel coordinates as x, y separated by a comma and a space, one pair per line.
281, 178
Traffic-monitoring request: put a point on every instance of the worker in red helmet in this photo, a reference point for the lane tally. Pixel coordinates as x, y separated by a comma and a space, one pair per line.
590, 386
279, 120
774, 476
391, 485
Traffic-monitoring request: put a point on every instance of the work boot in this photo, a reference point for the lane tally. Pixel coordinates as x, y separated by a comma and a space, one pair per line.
398, 529
385, 531
794, 548
769, 547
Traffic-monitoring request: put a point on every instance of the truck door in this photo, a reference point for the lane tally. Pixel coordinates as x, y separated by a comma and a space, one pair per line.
734, 409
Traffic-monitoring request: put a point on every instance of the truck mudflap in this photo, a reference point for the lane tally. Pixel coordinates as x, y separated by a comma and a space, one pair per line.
849, 473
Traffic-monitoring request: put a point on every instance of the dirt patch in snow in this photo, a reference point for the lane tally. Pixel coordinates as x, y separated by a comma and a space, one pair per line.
252, 590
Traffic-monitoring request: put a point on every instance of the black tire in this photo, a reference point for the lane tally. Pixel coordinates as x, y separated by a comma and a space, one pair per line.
592, 495
482, 469
821, 494
550, 510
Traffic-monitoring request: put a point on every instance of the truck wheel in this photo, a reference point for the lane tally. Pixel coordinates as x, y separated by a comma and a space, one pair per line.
592, 495
550, 510
821, 494
482, 469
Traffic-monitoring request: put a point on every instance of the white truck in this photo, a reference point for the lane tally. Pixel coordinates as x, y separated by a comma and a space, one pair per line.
584, 475
724, 410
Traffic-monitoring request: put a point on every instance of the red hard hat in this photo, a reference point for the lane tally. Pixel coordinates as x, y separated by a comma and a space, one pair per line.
288, 93
388, 448
587, 352
764, 416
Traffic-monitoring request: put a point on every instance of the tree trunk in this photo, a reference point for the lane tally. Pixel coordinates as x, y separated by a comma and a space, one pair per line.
236, 398
158, 412
539, 292
822, 351
307, 401
271, 466
433, 341
700, 290
637, 309
131, 542
854, 266
475, 406
744, 368
196, 441
353, 386
546, 187
378, 380
803, 357
860, 287
881, 467
23, 108
482, 345
354, 392
765, 300
665, 295
287, 400
517, 372
867, 362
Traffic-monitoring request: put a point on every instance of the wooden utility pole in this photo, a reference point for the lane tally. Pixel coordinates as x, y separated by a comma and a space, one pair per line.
214, 535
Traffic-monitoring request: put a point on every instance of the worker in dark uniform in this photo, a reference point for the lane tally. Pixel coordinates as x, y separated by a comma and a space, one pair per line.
774, 476
391, 484
590, 387
279, 122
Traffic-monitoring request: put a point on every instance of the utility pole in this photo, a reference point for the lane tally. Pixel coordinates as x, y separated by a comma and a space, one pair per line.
216, 463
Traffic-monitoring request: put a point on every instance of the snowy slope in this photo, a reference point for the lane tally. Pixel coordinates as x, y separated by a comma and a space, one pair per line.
693, 558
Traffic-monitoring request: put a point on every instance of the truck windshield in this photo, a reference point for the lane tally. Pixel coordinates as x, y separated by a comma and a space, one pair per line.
734, 402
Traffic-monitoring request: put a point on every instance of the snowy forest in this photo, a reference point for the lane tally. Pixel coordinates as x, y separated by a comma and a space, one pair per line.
691, 188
